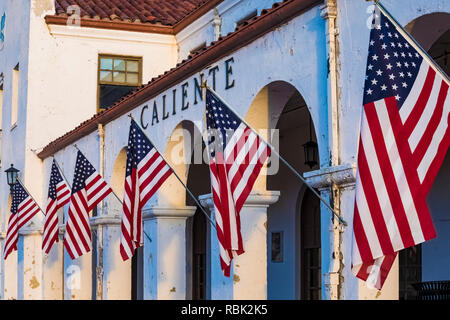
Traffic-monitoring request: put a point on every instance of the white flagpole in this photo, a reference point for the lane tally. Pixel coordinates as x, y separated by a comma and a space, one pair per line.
413, 42
280, 157
179, 179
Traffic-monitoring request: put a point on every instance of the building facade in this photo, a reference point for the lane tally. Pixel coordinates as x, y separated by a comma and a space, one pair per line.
71, 73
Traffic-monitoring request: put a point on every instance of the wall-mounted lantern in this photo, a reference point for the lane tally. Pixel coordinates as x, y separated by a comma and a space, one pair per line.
310, 148
11, 175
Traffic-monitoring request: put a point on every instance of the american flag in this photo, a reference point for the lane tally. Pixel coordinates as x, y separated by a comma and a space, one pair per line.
146, 171
23, 208
88, 189
237, 155
58, 196
403, 141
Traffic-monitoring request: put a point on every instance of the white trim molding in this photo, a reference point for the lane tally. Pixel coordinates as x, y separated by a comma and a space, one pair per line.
341, 175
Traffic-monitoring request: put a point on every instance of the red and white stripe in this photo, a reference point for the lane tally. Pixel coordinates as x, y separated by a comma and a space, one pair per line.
140, 186
50, 235
11, 236
233, 174
400, 152
77, 239
26, 210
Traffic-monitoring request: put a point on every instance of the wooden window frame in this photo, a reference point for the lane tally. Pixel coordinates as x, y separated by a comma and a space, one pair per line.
124, 84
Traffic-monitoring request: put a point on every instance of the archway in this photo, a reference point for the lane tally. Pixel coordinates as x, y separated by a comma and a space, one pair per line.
185, 153
310, 247
279, 105
129, 270
430, 261
197, 227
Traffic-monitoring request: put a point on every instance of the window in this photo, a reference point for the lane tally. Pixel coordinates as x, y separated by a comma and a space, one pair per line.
15, 96
277, 246
94, 262
1, 100
199, 256
1, 114
137, 274
311, 247
410, 271
117, 76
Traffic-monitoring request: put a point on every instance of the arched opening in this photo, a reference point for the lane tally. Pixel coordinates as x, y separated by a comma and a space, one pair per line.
184, 153
293, 225
135, 268
430, 261
310, 256
198, 182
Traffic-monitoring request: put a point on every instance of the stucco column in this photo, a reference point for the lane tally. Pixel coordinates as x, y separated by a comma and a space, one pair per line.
29, 263
52, 268
332, 183
249, 271
338, 281
8, 273
77, 275
165, 252
114, 273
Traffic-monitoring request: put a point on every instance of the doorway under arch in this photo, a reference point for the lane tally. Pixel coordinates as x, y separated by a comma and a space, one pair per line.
430, 260
197, 227
184, 152
310, 247
288, 244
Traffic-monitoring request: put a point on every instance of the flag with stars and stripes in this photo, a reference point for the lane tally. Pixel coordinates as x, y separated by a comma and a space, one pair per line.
23, 208
237, 155
58, 196
146, 171
88, 190
403, 141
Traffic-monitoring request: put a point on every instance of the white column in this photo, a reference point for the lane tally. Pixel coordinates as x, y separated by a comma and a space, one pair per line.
336, 275
77, 275
249, 272
29, 263
9, 273
114, 272
165, 252
53, 266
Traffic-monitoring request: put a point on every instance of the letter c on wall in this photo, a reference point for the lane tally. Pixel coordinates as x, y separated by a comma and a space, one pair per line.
142, 117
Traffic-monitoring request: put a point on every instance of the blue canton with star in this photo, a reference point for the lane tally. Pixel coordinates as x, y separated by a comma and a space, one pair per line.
221, 123
392, 64
83, 170
138, 147
55, 178
19, 195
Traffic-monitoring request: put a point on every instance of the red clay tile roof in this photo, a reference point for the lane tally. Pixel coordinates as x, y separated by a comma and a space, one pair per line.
243, 35
165, 12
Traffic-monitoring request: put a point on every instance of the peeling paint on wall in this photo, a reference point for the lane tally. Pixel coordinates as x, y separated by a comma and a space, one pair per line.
41, 6
34, 283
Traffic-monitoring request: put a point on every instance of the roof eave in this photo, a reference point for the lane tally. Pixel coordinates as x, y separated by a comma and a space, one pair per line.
257, 27
113, 25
